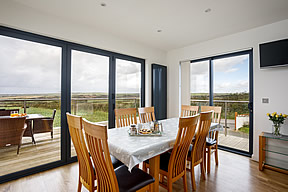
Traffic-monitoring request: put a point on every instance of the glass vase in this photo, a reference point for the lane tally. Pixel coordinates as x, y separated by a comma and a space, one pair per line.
276, 129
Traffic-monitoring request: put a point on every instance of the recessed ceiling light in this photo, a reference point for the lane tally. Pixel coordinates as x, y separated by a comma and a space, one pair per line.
159, 30
103, 4
208, 10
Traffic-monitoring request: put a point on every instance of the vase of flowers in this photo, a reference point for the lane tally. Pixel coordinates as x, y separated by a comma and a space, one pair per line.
277, 120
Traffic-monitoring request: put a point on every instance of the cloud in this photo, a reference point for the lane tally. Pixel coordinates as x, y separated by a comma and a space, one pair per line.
229, 63
231, 70
232, 87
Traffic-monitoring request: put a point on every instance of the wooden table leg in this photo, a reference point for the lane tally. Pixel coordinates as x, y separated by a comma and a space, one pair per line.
262, 143
154, 166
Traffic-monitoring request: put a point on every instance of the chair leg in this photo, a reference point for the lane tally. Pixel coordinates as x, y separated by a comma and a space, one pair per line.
185, 182
216, 154
193, 178
209, 159
161, 178
169, 184
18, 148
202, 169
51, 134
79, 185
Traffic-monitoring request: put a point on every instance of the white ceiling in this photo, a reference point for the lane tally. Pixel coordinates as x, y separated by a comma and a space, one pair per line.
182, 22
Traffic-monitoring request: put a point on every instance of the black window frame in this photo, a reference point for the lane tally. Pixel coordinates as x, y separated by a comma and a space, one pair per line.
66, 92
250, 105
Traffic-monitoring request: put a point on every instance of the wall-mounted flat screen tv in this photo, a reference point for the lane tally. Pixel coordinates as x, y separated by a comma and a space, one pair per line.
274, 53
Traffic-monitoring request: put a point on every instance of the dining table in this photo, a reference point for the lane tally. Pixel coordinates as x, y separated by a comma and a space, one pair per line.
132, 150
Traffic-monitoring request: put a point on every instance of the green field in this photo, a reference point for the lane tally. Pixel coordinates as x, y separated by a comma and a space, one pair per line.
92, 106
232, 107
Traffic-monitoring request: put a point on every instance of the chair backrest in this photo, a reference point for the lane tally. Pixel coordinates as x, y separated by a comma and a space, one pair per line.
6, 112
146, 114
54, 113
187, 110
96, 136
11, 130
216, 117
200, 138
86, 171
186, 131
125, 117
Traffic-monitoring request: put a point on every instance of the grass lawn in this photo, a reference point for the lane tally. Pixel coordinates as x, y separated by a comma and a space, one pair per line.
244, 130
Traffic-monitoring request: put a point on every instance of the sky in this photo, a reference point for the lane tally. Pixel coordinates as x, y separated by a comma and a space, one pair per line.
34, 68
231, 75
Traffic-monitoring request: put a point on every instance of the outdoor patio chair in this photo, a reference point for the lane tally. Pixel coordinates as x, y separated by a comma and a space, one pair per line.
11, 131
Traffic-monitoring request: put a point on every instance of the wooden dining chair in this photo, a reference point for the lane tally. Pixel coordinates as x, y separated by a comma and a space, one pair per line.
87, 176
11, 131
86, 170
125, 117
212, 140
108, 179
173, 165
146, 114
197, 151
187, 110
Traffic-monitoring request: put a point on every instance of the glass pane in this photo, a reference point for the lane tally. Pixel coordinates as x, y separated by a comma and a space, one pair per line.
128, 84
199, 83
89, 85
231, 92
30, 82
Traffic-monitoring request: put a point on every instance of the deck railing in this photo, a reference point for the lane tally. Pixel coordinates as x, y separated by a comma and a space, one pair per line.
227, 111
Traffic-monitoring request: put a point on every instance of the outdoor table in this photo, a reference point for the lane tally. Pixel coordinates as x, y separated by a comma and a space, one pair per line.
29, 120
132, 150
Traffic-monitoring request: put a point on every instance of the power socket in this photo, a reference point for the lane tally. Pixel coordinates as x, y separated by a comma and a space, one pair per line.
265, 100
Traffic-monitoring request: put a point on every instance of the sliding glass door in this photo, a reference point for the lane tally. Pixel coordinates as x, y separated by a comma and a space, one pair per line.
226, 81
128, 84
42, 78
30, 83
231, 92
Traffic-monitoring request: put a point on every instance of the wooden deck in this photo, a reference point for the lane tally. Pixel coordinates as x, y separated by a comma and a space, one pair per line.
234, 142
47, 150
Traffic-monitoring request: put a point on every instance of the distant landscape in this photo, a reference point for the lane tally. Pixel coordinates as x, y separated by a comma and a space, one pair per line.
219, 98
94, 106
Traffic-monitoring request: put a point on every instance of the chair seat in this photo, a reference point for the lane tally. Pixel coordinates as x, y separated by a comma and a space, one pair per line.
132, 181
210, 142
164, 161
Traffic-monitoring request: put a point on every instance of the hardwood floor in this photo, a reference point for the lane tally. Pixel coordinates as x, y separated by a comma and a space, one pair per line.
234, 173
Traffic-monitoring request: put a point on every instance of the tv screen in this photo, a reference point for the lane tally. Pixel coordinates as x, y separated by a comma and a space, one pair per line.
274, 54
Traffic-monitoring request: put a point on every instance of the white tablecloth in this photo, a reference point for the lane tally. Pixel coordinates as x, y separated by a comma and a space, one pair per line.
132, 150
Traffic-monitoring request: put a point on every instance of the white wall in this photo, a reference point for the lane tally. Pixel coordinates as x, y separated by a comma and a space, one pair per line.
271, 83
24, 18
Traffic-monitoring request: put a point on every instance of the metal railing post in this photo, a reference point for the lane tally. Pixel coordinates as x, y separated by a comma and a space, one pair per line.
24, 106
225, 118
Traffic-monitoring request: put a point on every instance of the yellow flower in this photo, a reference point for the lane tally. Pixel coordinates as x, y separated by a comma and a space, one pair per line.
284, 115
280, 114
268, 114
277, 116
273, 114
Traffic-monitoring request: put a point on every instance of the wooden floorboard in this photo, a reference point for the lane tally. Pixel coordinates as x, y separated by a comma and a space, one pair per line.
235, 173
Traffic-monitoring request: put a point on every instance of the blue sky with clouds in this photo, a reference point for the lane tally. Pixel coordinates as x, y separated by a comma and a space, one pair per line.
231, 75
